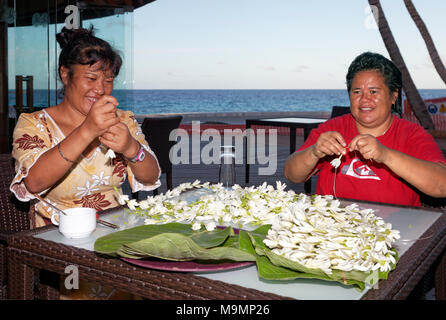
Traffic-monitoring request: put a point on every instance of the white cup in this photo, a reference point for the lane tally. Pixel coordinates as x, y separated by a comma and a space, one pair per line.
76, 223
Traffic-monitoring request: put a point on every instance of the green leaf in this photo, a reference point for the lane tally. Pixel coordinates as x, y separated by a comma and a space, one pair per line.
110, 243
304, 272
231, 241
178, 247
214, 238
275, 267
269, 271
178, 242
265, 268
244, 243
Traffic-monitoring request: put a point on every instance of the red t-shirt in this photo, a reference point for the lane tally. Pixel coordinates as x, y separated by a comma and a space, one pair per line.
361, 179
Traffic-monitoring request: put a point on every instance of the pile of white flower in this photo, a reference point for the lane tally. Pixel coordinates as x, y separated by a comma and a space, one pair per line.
318, 233
241, 207
314, 231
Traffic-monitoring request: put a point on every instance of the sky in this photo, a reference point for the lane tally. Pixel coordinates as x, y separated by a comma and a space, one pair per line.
281, 44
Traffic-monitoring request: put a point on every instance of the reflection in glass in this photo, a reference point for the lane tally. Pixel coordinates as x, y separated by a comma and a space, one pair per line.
227, 166
33, 50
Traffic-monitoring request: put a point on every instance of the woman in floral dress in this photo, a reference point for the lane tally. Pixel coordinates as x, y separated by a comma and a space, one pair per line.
60, 151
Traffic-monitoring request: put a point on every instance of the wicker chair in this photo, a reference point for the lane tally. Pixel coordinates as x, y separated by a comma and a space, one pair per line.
437, 273
13, 216
16, 216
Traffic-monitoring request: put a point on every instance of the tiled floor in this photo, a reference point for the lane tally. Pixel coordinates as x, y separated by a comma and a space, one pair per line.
197, 169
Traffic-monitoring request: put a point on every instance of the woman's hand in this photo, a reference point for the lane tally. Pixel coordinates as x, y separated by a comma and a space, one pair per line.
101, 116
369, 147
329, 143
119, 139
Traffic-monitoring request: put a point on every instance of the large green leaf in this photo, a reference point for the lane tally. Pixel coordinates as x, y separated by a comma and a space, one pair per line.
178, 247
178, 242
265, 268
110, 243
276, 267
173, 241
214, 238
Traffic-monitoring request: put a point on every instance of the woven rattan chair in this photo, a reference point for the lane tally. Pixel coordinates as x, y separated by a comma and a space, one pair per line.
13, 217
437, 273
157, 131
16, 216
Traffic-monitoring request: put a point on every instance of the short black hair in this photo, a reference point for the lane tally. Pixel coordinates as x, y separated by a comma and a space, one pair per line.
374, 61
80, 46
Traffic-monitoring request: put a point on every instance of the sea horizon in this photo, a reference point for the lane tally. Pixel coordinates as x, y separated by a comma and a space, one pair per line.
159, 101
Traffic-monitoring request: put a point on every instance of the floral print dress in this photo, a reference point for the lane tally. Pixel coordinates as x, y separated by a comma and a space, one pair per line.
90, 181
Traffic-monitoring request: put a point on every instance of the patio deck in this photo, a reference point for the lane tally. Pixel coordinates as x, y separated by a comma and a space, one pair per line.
209, 172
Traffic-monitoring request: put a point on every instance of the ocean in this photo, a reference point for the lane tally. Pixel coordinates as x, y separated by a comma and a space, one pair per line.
185, 101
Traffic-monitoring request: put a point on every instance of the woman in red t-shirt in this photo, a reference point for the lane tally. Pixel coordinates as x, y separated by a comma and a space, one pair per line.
384, 158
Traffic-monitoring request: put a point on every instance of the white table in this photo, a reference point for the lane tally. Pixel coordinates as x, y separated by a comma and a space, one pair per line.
411, 222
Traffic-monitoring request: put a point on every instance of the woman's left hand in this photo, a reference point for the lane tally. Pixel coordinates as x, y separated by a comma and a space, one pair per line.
369, 147
119, 139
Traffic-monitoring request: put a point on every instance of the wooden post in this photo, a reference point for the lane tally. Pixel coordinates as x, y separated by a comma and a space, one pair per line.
29, 93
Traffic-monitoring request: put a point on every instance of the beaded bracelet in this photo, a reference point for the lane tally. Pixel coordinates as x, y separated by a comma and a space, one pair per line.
61, 154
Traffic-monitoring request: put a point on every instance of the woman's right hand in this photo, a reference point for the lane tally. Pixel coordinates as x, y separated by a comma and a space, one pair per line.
329, 143
101, 117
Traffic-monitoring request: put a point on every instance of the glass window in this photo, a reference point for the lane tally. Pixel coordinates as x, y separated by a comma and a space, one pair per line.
33, 49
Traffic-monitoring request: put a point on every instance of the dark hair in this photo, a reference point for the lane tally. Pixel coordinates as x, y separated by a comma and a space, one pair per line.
374, 61
80, 46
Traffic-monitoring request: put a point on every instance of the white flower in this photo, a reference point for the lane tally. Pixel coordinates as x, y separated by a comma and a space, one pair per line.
270, 242
394, 235
196, 226
123, 198
100, 180
336, 162
227, 217
132, 204
110, 154
326, 236
320, 201
87, 190
144, 204
352, 208
210, 226
380, 245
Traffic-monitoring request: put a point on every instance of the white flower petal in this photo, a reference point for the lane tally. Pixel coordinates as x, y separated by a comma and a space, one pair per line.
110, 154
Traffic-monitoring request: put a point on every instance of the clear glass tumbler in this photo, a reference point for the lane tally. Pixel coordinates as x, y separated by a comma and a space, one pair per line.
226, 173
